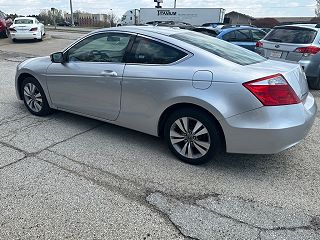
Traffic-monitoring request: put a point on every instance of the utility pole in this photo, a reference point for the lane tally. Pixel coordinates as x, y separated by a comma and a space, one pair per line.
175, 3
72, 19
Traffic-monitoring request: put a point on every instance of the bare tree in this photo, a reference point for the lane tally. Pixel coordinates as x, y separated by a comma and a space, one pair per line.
47, 17
317, 11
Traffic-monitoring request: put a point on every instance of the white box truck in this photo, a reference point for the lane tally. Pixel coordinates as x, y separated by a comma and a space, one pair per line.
193, 16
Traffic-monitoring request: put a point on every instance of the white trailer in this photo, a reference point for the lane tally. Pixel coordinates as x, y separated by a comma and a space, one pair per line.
193, 16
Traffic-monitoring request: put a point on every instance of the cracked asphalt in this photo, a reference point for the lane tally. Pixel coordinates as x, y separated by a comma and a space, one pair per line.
70, 177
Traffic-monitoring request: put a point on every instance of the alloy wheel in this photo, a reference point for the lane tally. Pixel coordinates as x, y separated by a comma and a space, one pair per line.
33, 97
190, 137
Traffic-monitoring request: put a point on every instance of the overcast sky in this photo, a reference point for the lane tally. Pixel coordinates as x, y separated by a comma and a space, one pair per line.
255, 8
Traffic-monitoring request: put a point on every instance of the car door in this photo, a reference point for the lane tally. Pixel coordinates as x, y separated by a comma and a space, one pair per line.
155, 72
89, 82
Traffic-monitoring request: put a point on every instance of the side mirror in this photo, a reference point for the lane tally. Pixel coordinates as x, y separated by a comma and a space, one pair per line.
57, 57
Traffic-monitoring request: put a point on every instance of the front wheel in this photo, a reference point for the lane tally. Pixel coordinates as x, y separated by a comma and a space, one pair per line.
34, 97
193, 136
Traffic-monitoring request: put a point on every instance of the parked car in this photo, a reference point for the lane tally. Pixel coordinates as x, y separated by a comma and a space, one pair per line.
65, 24
243, 36
200, 93
24, 28
298, 43
3, 25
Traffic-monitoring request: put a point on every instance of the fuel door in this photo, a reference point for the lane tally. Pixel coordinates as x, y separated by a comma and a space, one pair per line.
202, 79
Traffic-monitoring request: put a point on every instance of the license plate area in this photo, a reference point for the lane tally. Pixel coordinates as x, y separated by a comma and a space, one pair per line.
276, 54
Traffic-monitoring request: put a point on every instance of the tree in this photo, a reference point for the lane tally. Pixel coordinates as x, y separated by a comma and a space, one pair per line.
47, 17
317, 11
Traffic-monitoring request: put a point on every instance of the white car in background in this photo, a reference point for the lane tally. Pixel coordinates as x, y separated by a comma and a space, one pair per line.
26, 28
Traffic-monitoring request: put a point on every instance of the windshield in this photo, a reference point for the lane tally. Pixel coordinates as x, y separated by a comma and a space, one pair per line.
23, 21
291, 35
220, 48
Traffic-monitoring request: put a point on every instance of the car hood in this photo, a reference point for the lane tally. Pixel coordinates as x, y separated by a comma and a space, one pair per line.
292, 72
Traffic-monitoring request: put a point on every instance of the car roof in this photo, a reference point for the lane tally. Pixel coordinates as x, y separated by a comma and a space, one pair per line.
167, 31
311, 26
227, 30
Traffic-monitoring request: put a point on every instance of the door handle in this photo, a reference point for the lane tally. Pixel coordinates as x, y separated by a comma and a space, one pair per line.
109, 73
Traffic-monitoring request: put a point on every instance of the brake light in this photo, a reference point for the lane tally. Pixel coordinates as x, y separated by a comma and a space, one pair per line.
12, 30
259, 44
34, 29
272, 90
308, 50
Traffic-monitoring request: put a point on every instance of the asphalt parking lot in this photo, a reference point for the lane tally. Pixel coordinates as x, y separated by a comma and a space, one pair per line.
66, 176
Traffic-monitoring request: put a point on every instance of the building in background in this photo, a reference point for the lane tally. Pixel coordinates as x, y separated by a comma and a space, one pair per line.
238, 18
286, 20
88, 19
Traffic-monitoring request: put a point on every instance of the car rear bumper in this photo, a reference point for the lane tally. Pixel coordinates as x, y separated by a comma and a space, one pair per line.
26, 35
269, 130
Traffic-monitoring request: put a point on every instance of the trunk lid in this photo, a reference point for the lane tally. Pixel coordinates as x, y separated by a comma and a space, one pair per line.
293, 73
23, 27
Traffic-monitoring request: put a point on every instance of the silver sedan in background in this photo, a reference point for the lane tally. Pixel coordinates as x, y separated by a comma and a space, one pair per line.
201, 94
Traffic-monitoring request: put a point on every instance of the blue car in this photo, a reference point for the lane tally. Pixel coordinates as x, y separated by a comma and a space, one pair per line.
243, 36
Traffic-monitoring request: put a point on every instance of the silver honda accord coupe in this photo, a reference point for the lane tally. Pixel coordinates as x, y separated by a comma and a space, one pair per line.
201, 94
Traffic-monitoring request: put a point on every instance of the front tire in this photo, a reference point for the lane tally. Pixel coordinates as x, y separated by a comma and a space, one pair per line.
193, 136
34, 97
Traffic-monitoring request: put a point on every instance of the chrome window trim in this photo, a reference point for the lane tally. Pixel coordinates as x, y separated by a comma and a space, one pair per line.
189, 54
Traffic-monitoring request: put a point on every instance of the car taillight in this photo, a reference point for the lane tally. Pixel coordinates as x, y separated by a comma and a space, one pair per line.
272, 90
34, 29
259, 44
12, 30
308, 50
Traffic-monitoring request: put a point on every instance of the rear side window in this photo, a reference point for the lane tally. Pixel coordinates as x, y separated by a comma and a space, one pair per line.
230, 36
292, 35
243, 36
220, 48
147, 51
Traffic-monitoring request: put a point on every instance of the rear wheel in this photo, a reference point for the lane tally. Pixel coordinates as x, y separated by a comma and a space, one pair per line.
193, 136
34, 97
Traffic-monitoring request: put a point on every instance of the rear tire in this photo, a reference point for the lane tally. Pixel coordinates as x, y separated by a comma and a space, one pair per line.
193, 136
34, 97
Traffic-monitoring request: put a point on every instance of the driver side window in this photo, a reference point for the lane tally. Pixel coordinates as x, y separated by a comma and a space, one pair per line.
102, 47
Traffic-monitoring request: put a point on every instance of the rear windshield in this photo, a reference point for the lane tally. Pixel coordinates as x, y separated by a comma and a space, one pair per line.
23, 21
220, 48
292, 35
